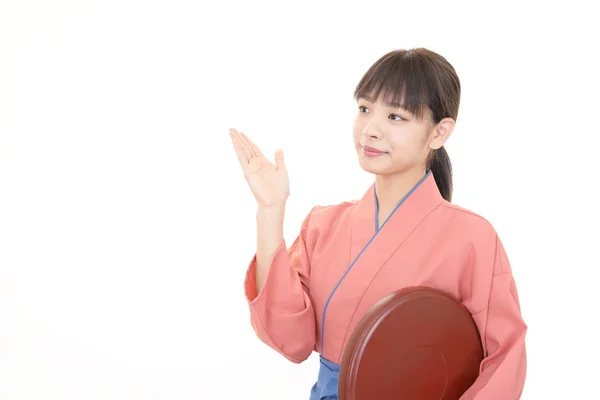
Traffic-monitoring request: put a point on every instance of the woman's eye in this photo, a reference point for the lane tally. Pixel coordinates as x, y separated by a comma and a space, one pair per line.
396, 117
362, 109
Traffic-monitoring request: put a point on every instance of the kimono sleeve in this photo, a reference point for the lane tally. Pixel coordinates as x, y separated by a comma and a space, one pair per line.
502, 372
282, 314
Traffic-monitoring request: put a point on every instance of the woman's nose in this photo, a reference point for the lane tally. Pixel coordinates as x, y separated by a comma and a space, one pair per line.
372, 130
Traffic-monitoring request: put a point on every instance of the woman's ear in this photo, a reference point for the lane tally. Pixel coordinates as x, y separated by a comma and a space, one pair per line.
442, 132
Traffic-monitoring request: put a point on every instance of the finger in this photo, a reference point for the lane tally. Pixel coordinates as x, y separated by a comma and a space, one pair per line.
279, 160
237, 145
248, 145
242, 156
253, 146
243, 143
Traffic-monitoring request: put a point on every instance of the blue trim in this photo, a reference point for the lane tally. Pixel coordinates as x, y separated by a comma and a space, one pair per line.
364, 248
376, 209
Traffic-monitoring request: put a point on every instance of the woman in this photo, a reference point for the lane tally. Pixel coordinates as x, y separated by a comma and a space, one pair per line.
403, 232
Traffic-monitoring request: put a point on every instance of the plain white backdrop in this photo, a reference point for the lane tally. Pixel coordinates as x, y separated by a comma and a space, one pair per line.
126, 225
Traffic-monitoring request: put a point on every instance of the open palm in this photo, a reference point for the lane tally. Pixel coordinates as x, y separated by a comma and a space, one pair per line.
269, 182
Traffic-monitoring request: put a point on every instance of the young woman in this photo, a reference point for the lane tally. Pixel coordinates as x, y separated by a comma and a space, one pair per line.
403, 232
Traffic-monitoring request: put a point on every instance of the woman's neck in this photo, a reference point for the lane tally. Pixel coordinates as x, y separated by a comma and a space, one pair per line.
390, 189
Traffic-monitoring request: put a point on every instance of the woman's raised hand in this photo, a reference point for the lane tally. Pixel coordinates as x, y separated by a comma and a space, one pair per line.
269, 183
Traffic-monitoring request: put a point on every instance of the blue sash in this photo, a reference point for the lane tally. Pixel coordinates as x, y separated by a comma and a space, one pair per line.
326, 387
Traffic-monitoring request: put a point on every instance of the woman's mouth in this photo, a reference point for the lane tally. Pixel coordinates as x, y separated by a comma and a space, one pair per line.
372, 152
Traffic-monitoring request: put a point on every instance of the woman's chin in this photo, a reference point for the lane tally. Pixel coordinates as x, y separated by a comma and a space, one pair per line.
368, 166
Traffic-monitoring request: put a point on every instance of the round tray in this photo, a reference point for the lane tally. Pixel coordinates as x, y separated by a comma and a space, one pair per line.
416, 343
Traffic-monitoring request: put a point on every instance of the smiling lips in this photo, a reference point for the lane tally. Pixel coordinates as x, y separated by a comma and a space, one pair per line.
372, 152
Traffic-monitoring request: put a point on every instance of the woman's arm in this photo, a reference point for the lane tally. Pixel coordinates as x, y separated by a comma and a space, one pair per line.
276, 288
502, 372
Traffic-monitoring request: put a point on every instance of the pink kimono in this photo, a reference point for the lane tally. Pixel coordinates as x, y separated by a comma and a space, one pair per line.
343, 262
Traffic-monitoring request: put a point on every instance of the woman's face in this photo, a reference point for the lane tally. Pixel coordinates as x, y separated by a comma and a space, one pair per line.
391, 140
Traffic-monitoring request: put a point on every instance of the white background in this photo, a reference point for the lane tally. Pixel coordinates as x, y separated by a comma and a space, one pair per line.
126, 226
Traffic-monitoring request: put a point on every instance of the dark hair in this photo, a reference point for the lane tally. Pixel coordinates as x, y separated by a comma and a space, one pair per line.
417, 80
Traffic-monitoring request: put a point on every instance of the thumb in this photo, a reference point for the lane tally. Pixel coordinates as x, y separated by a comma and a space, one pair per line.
279, 161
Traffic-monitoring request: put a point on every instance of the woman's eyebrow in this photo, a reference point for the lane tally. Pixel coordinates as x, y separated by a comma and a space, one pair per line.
388, 103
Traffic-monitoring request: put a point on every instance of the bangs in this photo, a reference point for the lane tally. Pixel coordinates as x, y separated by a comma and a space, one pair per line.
400, 80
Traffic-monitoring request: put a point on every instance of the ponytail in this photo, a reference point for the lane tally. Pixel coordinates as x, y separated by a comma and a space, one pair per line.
441, 168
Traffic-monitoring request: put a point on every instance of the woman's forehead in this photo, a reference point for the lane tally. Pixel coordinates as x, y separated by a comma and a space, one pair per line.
385, 98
